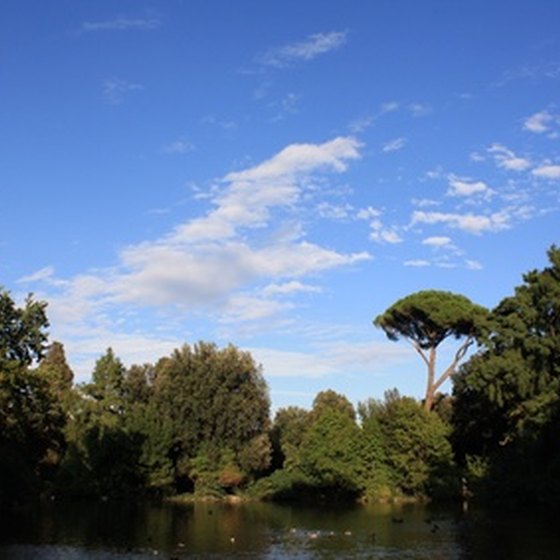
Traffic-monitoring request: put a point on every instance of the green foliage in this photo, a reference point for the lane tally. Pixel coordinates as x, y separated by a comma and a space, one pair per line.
374, 472
216, 399
56, 370
31, 440
508, 396
31, 417
330, 451
22, 331
287, 434
426, 319
416, 447
429, 317
331, 400
155, 431
108, 386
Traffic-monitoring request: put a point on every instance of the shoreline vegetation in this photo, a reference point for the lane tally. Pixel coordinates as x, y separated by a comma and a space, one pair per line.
196, 425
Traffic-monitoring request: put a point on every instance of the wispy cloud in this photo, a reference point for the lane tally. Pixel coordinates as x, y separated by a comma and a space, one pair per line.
543, 122
417, 263
274, 183
506, 159
419, 109
437, 241
308, 49
285, 107
115, 90
379, 232
227, 125
334, 211
470, 223
389, 107
361, 124
337, 358
533, 72
121, 23
394, 145
179, 146
210, 262
465, 187
288, 288
547, 172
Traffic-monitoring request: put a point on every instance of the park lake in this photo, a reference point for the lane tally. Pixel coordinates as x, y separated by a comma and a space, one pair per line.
130, 530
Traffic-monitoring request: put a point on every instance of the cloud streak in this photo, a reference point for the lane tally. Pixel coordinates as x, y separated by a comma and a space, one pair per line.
211, 262
121, 23
308, 49
115, 90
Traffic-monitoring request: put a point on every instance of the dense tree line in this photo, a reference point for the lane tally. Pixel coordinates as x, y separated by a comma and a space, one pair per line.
198, 421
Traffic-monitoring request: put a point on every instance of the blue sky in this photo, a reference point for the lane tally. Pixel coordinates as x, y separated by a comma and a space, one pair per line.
273, 174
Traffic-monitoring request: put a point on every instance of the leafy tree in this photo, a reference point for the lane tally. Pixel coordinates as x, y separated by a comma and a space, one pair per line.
375, 475
216, 400
426, 319
330, 454
330, 399
417, 449
321, 451
104, 447
137, 384
108, 385
22, 331
507, 406
287, 434
56, 369
31, 419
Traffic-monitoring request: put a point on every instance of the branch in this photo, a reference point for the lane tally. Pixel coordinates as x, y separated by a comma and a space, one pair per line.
459, 355
418, 349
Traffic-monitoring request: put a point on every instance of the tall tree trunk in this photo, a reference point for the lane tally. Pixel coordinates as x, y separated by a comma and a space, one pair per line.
429, 398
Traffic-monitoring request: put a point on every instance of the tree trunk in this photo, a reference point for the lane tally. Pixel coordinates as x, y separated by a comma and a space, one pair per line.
429, 398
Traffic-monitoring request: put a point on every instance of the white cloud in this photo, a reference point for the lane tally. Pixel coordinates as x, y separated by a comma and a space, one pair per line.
547, 172
339, 358
206, 263
252, 193
43, 274
476, 157
463, 187
285, 107
121, 24
313, 46
539, 122
417, 263
333, 211
369, 213
470, 223
419, 109
288, 288
437, 241
506, 159
361, 124
246, 308
381, 234
225, 124
114, 90
394, 145
473, 265
180, 146
425, 202
389, 107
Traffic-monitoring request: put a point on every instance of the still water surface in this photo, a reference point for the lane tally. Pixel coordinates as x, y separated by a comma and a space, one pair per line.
130, 531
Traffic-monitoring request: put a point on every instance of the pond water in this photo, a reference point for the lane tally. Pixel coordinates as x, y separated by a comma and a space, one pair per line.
116, 530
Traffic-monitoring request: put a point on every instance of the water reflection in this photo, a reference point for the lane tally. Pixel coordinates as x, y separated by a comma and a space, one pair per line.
73, 530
